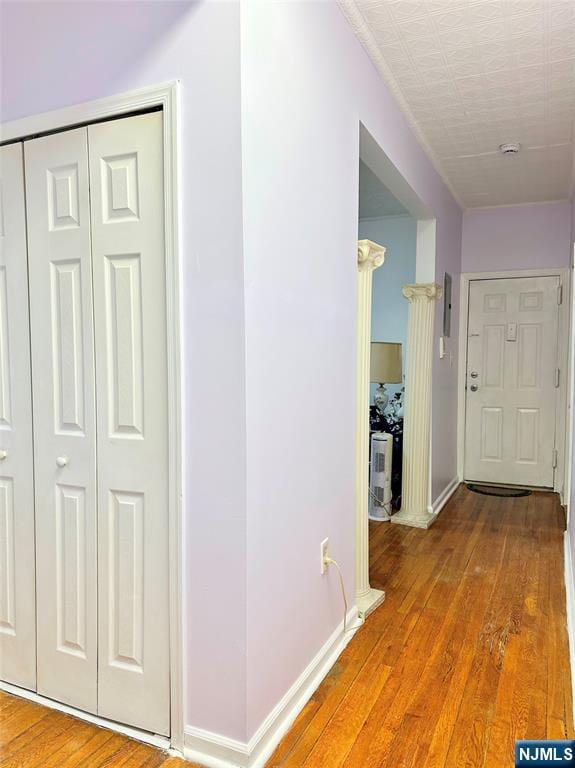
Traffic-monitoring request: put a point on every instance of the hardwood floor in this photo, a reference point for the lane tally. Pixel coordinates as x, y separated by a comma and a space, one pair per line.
467, 653
32, 736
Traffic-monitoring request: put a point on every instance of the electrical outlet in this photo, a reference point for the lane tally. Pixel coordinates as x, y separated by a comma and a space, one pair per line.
324, 553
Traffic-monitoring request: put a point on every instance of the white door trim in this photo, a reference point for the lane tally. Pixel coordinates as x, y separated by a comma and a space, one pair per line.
563, 273
166, 96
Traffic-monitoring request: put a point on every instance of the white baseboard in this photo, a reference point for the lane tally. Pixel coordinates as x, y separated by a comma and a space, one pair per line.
215, 751
162, 742
445, 495
570, 600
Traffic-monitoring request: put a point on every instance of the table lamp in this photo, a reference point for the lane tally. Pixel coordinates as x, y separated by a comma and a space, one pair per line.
385, 368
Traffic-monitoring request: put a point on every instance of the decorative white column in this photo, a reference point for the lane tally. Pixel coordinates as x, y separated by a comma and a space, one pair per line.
370, 255
415, 510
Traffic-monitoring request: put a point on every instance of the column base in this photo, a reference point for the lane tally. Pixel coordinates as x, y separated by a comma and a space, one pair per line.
368, 603
414, 519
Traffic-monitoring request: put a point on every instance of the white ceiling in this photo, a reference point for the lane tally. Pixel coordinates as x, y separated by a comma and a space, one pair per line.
375, 199
472, 74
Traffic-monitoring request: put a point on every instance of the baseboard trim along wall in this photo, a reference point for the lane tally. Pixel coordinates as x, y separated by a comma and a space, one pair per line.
445, 495
215, 751
570, 602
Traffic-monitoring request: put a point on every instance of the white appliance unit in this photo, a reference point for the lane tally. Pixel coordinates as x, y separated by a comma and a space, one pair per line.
380, 477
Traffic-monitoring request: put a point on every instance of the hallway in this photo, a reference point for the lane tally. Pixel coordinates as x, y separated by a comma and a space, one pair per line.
467, 653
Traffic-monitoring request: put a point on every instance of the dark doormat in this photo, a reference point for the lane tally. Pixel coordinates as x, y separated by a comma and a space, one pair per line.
494, 490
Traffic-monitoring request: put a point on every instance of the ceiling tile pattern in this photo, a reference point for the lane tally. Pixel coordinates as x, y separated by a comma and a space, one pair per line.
475, 74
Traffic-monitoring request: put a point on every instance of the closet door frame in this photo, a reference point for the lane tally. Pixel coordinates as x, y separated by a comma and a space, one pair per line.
165, 97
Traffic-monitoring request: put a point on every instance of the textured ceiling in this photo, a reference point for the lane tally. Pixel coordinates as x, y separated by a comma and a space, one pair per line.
375, 199
472, 74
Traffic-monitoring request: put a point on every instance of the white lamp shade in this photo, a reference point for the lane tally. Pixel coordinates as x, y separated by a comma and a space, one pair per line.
385, 363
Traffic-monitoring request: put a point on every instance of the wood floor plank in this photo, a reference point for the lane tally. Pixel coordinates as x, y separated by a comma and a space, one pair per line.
471, 733
19, 720
329, 695
37, 753
349, 718
373, 745
39, 736
481, 582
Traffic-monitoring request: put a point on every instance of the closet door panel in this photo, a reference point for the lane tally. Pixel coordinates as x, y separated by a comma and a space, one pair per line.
17, 570
126, 175
61, 317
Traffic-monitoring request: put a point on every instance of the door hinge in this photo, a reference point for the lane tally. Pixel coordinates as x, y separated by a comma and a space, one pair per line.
554, 458
559, 294
557, 376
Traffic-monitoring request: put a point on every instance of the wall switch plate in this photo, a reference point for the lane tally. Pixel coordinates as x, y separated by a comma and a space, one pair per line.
441, 347
324, 553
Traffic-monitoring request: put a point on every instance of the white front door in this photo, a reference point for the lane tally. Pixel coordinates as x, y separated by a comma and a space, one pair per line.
17, 571
511, 381
61, 322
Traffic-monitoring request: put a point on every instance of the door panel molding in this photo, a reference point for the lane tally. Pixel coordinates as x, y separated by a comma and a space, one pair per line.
166, 97
564, 317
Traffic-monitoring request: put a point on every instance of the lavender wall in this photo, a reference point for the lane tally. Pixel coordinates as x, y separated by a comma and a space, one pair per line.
268, 304
56, 54
516, 237
306, 85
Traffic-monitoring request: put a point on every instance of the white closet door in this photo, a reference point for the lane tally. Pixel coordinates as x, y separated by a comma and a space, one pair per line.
126, 177
64, 422
17, 571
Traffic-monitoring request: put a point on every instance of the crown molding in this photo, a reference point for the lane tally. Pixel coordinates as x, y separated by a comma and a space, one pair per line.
362, 31
515, 205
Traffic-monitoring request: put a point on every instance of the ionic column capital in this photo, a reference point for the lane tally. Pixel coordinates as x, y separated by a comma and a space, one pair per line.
429, 291
370, 255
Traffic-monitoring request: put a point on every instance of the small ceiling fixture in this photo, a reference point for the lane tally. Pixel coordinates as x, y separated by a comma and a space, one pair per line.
510, 149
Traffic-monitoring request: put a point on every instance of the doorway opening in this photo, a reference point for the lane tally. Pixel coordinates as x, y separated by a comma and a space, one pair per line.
396, 227
384, 220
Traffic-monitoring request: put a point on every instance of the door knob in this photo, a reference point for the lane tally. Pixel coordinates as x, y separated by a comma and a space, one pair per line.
61, 461
3, 455
474, 374
474, 387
